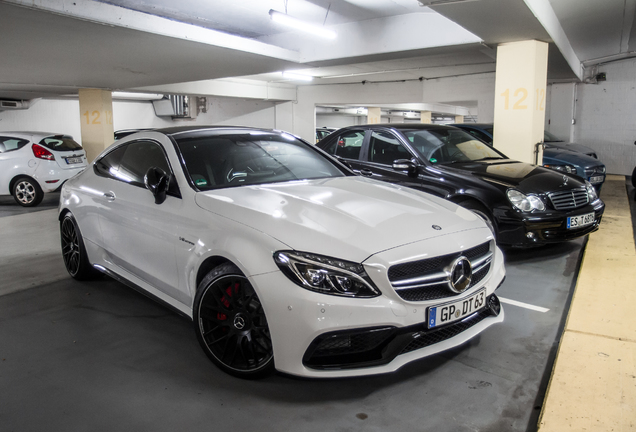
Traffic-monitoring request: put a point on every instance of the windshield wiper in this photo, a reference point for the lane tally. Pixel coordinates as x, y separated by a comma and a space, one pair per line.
488, 158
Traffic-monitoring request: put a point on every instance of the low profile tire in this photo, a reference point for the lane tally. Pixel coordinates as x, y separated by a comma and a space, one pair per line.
482, 212
73, 250
27, 192
230, 324
634, 177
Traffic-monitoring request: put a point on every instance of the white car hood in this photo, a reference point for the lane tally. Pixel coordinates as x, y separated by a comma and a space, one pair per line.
350, 218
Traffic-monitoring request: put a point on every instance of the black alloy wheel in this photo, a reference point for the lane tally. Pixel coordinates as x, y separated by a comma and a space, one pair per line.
27, 192
230, 324
73, 250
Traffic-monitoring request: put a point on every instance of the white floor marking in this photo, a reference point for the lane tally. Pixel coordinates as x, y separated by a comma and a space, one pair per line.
523, 305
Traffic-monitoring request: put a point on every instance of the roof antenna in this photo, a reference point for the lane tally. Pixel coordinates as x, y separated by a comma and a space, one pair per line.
326, 15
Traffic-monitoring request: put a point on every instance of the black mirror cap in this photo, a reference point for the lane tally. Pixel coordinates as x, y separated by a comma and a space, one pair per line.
405, 165
157, 182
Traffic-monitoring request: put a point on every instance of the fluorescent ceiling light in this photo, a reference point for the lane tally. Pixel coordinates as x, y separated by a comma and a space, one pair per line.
295, 76
136, 96
301, 25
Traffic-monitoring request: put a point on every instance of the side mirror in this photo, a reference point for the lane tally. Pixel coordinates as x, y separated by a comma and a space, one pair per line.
405, 165
157, 182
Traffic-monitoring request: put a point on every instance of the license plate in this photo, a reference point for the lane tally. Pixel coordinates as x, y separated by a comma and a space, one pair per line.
580, 221
74, 160
596, 179
454, 311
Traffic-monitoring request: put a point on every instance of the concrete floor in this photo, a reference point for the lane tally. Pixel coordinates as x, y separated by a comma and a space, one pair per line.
98, 356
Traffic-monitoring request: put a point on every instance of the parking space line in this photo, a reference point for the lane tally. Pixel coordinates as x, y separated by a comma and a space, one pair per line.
523, 305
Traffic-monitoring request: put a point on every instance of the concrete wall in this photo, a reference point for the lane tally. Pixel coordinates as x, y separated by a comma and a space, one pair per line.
605, 115
63, 116
338, 121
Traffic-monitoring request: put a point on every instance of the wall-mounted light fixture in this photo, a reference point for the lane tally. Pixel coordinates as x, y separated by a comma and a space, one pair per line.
297, 24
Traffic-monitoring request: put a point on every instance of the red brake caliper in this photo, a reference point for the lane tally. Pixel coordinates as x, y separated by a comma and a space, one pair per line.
226, 302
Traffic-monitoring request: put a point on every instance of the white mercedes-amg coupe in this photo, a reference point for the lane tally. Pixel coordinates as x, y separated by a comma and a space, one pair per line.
280, 255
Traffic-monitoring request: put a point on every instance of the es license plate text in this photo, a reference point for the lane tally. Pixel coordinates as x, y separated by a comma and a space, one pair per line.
580, 221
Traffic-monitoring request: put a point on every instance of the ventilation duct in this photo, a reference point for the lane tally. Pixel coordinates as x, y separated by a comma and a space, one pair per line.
14, 105
175, 106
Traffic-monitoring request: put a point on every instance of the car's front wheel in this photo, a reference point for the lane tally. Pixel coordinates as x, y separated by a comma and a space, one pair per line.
27, 192
230, 324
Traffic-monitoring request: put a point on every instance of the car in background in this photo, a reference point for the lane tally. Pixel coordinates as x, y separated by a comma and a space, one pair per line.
122, 133
524, 204
322, 132
282, 256
33, 163
560, 157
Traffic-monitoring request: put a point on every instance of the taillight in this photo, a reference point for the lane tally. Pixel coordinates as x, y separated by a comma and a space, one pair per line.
42, 153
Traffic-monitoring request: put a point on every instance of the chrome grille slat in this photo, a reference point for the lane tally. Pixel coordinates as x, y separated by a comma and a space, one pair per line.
570, 199
428, 279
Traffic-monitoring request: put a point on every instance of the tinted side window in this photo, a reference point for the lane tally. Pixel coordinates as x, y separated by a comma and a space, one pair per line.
8, 144
348, 145
384, 148
129, 163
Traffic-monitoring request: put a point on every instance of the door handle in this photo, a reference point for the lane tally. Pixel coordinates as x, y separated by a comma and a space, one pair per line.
110, 196
366, 172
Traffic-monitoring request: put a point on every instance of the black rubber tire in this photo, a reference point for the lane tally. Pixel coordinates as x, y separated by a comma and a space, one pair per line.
634, 177
27, 192
482, 212
230, 324
74, 251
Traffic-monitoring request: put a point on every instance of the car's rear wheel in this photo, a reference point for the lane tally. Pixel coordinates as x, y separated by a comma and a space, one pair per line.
73, 250
27, 192
230, 324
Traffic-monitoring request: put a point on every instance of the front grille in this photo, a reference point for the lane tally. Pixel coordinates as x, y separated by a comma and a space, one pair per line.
440, 290
430, 337
427, 279
569, 200
432, 265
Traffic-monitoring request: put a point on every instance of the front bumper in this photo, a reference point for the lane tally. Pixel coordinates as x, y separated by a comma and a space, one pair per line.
523, 230
318, 335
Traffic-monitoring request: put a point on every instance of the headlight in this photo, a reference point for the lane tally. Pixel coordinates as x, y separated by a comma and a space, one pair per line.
523, 202
591, 192
326, 275
563, 168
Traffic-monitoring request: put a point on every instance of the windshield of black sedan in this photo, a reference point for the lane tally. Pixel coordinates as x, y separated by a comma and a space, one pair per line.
445, 146
219, 161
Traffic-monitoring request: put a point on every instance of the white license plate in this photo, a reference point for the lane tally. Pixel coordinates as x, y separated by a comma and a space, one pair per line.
580, 221
597, 179
454, 311
74, 160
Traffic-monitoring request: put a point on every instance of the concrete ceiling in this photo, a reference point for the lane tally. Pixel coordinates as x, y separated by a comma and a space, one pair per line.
58, 46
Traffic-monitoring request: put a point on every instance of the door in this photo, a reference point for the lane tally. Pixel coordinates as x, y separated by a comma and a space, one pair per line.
138, 234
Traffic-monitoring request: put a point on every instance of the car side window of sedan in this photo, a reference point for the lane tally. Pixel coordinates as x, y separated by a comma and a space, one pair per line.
384, 148
8, 144
129, 163
348, 145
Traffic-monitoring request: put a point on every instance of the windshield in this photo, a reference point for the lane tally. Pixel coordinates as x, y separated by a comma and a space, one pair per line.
548, 137
445, 146
238, 159
60, 143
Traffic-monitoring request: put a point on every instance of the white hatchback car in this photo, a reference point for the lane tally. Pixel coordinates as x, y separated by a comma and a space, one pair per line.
32, 163
281, 256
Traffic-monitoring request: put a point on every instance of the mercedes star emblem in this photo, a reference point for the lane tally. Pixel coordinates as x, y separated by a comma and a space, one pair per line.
461, 273
239, 322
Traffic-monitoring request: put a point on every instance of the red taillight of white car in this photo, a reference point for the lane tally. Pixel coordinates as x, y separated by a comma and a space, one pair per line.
42, 153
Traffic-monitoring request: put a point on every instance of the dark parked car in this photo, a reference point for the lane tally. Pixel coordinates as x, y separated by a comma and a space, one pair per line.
524, 204
569, 158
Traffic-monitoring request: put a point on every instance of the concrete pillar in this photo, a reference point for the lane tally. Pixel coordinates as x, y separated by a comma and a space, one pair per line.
96, 119
374, 115
520, 86
459, 119
425, 117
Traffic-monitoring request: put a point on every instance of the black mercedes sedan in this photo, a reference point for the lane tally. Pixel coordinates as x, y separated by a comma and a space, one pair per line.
524, 204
